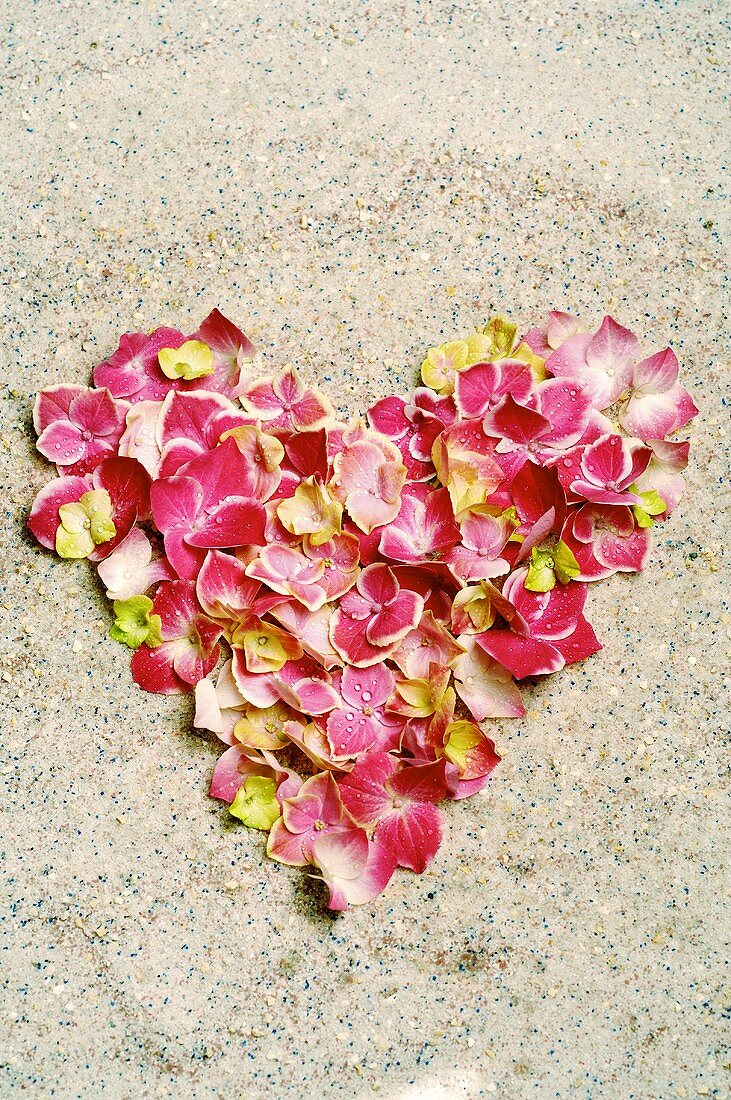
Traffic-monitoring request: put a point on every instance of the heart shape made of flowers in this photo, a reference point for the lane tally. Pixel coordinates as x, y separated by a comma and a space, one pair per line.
353, 602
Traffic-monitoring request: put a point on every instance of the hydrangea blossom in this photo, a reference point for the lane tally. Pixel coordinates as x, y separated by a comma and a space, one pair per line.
353, 605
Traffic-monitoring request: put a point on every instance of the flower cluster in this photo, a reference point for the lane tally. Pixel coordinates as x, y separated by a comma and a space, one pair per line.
350, 602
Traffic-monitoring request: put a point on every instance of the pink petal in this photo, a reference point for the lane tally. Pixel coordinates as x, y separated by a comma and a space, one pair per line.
652, 415
561, 327
566, 407
624, 555
613, 350
43, 521
62, 442
53, 404
395, 620
287, 847
484, 684
223, 588
413, 835
230, 773
315, 696
350, 732
371, 882
371, 686
256, 688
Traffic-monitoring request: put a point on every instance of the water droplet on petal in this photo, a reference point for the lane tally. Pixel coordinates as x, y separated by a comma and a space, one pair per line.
366, 696
356, 687
349, 717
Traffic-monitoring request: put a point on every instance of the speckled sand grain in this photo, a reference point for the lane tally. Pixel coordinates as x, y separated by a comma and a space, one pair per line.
352, 182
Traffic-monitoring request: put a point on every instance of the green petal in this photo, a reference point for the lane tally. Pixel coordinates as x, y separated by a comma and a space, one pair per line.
642, 519
565, 564
133, 624
256, 803
193, 359
541, 576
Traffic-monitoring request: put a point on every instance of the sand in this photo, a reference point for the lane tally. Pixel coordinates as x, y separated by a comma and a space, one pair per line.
352, 183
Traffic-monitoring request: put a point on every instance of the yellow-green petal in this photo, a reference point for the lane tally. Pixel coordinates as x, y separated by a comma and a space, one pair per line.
193, 359
134, 623
541, 576
98, 506
461, 737
73, 544
256, 803
565, 564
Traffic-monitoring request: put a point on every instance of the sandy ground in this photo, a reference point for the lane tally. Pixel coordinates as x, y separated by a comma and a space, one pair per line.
352, 183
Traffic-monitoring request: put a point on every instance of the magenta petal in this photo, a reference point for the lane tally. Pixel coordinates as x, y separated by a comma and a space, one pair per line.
238, 522
387, 417
562, 612
363, 789
97, 412
580, 644
521, 656
350, 642
413, 835
223, 588
421, 783
223, 472
509, 420
154, 671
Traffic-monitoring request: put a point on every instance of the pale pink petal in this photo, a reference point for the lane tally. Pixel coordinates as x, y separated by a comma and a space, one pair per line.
484, 685
657, 373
